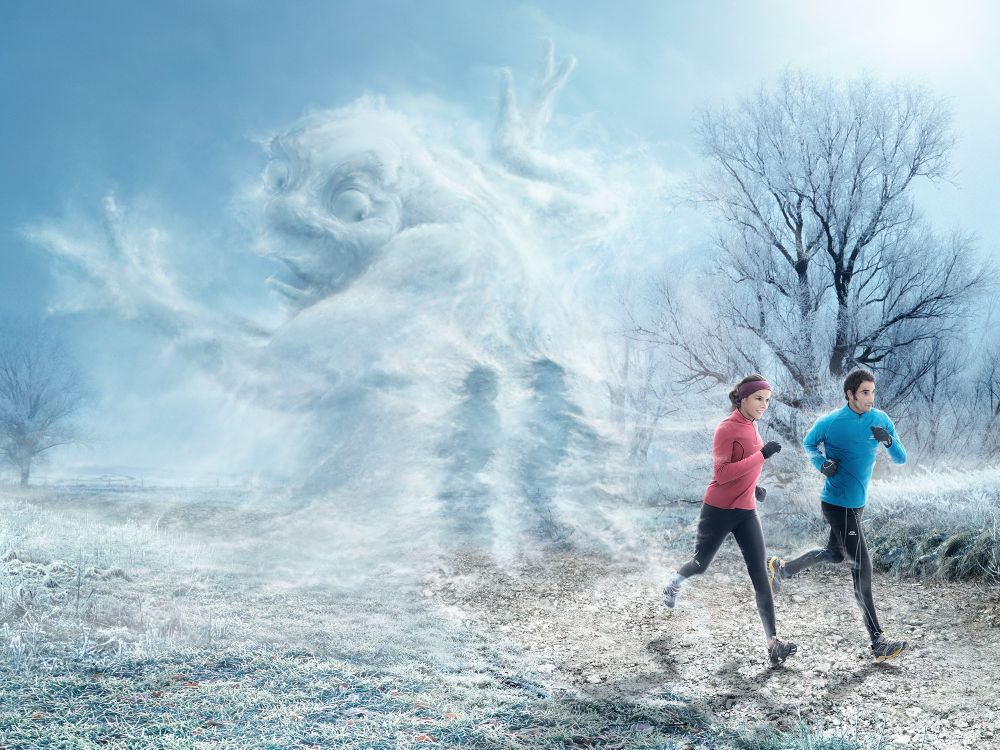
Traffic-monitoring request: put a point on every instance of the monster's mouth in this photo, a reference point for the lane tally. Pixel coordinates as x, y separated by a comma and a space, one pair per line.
293, 284
320, 254
303, 288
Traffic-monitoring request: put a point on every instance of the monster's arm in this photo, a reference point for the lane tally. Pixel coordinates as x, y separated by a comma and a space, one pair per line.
517, 137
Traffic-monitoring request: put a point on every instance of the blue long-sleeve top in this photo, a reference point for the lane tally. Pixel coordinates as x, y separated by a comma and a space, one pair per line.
847, 437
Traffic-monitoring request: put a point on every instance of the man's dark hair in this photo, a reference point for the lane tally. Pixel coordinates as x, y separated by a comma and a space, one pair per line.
855, 378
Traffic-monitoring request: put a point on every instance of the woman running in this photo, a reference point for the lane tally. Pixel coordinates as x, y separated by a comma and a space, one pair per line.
738, 455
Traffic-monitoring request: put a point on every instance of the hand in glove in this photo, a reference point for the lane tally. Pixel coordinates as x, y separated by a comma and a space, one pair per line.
770, 448
760, 493
882, 435
829, 467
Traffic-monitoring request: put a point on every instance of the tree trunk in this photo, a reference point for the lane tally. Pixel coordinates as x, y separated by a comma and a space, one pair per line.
25, 473
839, 354
787, 431
807, 358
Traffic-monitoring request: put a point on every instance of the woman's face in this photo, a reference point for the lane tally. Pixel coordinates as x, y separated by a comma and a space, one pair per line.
756, 403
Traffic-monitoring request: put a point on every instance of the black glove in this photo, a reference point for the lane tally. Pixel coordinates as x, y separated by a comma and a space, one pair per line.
882, 435
770, 449
829, 467
760, 493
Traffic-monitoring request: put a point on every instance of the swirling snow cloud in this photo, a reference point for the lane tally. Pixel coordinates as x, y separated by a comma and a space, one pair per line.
441, 337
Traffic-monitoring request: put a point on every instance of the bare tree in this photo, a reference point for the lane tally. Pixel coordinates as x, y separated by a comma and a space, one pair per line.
984, 418
40, 392
639, 385
822, 261
640, 394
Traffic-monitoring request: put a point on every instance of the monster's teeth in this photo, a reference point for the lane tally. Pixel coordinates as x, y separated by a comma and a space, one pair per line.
294, 268
291, 292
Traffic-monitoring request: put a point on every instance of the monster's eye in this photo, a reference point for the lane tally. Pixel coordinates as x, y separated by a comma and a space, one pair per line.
276, 175
350, 205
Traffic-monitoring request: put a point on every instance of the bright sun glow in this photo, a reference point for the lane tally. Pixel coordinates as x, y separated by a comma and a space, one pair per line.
921, 35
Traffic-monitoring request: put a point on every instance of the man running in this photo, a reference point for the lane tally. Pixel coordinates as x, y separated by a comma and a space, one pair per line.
850, 437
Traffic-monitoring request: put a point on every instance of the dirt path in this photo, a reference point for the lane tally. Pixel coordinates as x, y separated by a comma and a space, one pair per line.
599, 628
602, 629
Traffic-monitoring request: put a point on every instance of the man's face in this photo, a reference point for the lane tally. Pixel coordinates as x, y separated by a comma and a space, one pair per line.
863, 399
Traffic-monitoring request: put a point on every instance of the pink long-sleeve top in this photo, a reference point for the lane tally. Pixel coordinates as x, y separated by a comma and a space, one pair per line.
736, 463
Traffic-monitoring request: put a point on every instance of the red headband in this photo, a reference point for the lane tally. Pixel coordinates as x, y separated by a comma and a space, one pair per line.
752, 387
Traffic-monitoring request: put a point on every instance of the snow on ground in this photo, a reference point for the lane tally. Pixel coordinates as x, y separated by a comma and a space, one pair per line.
159, 618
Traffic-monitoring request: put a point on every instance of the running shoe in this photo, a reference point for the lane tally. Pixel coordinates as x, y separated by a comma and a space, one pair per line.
775, 572
884, 649
779, 650
670, 594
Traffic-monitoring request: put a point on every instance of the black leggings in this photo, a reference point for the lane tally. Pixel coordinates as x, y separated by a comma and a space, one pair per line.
847, 541
714, 525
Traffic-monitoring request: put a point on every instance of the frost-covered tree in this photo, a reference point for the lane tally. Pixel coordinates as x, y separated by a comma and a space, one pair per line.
822, 261
640, 394
983, 413
40, 391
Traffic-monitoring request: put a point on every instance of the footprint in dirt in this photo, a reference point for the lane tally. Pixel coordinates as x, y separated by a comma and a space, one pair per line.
847, 684
663, 651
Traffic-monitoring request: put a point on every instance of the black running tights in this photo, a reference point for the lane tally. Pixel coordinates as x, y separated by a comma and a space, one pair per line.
714, 525
846, 542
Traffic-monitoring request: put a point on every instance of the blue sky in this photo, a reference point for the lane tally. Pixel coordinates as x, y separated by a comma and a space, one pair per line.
163, 103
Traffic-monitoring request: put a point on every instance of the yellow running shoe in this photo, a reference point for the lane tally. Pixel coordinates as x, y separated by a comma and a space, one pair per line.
884, 649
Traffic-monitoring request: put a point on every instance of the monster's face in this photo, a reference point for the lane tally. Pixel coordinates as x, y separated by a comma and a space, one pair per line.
334, 193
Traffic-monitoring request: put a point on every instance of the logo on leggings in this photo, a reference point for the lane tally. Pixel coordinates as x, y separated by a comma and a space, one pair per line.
697, 563
852, 533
